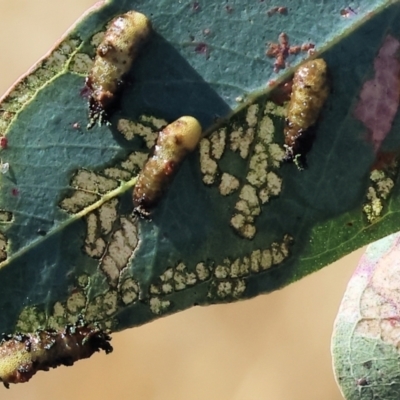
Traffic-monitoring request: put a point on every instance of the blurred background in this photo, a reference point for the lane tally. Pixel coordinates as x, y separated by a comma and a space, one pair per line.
274, 347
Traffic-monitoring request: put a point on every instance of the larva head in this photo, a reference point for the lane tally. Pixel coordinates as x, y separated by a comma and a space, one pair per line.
187, 130
313, 74
139, 25
14, 356
317, 63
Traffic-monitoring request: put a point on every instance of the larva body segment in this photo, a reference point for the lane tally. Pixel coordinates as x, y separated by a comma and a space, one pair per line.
309, 92
173, 144
114, 57
22, 355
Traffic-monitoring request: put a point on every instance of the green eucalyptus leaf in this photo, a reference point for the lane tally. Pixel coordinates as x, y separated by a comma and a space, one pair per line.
237, 221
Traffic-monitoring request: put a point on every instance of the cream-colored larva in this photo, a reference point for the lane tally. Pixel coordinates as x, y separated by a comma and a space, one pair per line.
309, 92
115, 55
173, 144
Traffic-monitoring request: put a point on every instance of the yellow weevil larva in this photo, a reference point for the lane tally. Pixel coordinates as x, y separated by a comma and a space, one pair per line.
173, 144
309, 92
114, 57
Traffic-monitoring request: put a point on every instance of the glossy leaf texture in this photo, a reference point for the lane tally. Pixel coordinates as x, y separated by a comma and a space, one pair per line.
237, 220
365, 343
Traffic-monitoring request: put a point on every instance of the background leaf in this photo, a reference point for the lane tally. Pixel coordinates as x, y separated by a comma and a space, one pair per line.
365, 339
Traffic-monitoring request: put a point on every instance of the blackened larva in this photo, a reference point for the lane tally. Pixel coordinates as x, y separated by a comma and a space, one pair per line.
173, 144
114, 57
309, 92
22, 355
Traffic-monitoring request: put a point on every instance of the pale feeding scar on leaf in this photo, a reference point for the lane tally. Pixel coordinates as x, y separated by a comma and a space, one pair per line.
111, 237
382, 180
20, 95
226, 280
252, 140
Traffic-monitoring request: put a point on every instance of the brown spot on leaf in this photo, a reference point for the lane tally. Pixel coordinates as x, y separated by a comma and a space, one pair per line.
281, 50
202, 48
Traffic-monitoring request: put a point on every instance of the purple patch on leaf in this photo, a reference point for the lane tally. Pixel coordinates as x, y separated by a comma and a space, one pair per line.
379, 97
202, 48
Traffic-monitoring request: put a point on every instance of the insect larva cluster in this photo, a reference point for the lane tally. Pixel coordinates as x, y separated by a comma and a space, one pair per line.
115, 55
173, 144
309, 92
22, 355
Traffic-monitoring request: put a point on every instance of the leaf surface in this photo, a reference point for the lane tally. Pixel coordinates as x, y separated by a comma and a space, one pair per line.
237, 221
365, 339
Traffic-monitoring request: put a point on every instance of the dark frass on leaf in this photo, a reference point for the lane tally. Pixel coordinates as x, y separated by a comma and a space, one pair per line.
309, 92
22, 355
174, 143
114, 58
